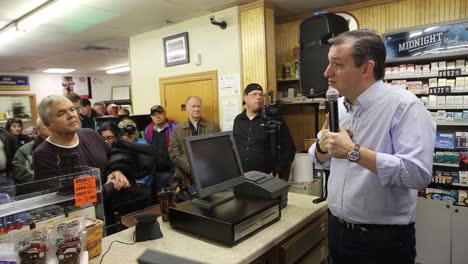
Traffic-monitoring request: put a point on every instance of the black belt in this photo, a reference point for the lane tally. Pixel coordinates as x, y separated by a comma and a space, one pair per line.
371, 227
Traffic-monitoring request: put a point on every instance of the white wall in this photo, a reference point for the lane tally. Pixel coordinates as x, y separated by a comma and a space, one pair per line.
219, 49
43, 84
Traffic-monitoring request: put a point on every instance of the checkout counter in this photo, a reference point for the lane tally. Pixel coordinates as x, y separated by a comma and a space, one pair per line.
298, 237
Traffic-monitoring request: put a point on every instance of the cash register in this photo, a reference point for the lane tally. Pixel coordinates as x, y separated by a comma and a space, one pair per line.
219, 212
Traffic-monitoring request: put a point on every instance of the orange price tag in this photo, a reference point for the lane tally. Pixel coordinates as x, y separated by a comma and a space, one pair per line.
85, 190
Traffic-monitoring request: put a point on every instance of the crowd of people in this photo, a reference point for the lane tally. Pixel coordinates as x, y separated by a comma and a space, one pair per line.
134, 165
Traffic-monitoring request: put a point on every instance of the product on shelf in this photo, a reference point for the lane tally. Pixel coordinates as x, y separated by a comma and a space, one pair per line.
68, 240
32, 246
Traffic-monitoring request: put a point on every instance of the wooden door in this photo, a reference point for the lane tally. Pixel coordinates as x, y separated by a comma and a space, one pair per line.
175, 90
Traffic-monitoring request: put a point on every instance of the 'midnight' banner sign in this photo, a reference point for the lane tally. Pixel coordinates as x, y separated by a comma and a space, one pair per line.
426, 41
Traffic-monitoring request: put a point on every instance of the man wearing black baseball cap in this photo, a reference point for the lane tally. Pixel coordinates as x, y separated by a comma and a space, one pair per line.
253, 141
158, 133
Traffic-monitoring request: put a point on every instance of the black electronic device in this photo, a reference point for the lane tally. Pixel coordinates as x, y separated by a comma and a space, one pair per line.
215, 167
314, 33
332, 105
147, 227
229, 222
156, 257
262, 185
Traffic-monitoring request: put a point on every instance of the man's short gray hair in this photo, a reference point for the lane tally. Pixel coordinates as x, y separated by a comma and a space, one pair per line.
193, 97
46, 103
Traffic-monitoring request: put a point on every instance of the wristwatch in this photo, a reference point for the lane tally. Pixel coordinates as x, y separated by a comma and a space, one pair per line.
354, 154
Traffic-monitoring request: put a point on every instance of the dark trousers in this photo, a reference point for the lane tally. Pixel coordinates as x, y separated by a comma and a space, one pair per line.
370, 244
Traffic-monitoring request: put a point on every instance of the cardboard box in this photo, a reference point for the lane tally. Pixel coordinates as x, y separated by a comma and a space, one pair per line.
314, 188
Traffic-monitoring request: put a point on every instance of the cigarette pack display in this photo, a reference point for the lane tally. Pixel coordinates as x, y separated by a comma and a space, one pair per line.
410, 70
396, 71
432, 100
425, 100
460, 84
441, 114
418, 70
465, 116
458, 118
403, 70
445, 140
460, 64
458, 100
441, 100
442, 82
451, 83
388, 72
450, 65
434, 68
442, 65
432, 82
463, 197
449, 117
426, 70
449, 100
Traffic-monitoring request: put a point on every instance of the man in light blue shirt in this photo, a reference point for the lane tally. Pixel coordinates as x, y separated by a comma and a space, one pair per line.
378, 160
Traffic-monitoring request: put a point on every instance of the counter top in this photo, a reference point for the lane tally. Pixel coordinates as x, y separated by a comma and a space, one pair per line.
299, 211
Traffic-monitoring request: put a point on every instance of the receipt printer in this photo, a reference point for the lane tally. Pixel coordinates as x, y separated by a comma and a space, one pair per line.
261, 185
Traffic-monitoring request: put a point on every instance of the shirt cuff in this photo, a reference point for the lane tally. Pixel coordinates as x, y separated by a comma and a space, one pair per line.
312, 156
389, 169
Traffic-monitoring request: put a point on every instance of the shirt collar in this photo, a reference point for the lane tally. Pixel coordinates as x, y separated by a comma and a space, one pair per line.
367, 98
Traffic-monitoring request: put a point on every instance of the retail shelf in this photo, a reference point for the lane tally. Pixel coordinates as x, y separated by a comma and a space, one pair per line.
460, 184
287, 80
450, 124
446, 164
447, 107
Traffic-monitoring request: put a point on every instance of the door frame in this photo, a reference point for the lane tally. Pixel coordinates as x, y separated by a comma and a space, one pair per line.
199, 76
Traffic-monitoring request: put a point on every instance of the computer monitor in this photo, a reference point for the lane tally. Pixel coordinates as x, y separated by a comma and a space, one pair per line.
215, 165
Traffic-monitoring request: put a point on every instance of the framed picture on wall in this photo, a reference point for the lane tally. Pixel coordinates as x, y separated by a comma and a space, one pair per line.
120, 93
176, 49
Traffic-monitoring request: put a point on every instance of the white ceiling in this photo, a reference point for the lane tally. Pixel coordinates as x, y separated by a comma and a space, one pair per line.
93, 36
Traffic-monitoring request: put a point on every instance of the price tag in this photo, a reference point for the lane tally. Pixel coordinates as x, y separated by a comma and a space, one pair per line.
450, 73
85, 190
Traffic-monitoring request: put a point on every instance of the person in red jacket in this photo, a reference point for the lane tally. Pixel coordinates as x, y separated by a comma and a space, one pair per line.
158, 134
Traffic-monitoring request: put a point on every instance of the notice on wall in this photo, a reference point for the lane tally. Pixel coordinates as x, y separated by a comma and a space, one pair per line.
229, 85
230, 108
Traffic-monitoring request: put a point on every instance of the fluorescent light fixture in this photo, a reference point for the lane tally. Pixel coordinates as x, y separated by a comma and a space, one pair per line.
415, 34
118, 70
58, 70
46, 13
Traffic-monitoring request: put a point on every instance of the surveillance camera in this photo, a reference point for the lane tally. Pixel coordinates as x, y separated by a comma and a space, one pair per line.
212, 18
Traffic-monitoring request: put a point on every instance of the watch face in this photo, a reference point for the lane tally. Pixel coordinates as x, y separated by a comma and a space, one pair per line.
353, 155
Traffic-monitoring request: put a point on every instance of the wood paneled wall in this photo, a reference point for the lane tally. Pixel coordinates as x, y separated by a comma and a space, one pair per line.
252, 27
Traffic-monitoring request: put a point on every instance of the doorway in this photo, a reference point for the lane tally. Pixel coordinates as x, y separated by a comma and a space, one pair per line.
175, 90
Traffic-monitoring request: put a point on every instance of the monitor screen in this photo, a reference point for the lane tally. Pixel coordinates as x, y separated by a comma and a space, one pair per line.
215, 162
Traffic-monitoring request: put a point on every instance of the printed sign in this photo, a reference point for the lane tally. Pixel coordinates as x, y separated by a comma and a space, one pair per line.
439, 39
85, 190
14, 83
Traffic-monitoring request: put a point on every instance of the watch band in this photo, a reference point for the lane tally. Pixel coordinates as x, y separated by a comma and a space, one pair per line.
319, 150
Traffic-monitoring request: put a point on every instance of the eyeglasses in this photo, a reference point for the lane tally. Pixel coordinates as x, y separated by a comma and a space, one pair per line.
108, 138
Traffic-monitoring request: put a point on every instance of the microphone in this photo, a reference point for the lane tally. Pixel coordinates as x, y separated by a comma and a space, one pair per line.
332, 104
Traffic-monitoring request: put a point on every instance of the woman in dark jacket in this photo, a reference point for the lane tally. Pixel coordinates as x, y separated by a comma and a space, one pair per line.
15, 127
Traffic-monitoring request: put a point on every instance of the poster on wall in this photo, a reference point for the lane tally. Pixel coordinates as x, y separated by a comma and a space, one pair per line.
14, 83
79, 85
435, 39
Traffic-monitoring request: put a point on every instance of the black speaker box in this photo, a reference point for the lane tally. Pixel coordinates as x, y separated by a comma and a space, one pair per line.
314, 33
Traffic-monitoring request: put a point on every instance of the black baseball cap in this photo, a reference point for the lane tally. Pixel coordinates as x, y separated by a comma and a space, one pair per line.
156, 108
251, 87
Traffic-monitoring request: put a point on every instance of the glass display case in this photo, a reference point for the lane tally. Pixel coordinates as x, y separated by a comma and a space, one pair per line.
21, 106
35, 203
